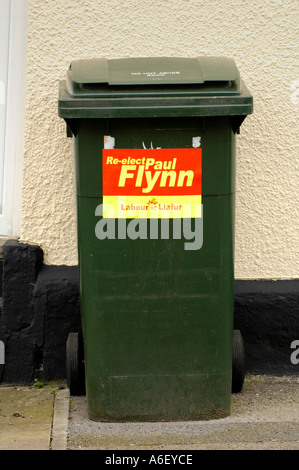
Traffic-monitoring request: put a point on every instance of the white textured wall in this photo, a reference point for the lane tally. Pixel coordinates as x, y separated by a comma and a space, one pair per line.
261, 35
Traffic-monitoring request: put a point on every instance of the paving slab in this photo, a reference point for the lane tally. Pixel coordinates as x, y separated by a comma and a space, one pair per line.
26, 415
264, 416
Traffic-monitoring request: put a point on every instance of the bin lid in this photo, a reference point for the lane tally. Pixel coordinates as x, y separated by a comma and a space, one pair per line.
153, 86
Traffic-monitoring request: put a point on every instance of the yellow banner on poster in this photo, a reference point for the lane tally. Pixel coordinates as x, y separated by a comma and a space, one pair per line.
129, 207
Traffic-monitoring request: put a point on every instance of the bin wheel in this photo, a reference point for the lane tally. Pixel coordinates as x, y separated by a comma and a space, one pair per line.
238, 367
75, 374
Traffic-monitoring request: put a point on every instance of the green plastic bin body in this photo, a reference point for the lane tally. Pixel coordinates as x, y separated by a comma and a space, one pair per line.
157, 318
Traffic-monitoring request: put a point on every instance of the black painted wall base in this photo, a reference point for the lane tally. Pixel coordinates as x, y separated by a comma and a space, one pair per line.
41, 305
267, 313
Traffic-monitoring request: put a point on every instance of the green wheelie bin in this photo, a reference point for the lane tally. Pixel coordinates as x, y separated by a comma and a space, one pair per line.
154, 152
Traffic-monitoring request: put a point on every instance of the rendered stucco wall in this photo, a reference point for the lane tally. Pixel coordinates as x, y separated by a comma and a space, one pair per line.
261, 35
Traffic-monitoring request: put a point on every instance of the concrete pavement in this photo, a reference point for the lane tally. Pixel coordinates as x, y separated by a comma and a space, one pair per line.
265, 415
26, 416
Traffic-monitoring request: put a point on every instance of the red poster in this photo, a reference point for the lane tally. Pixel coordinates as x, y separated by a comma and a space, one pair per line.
163, 180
